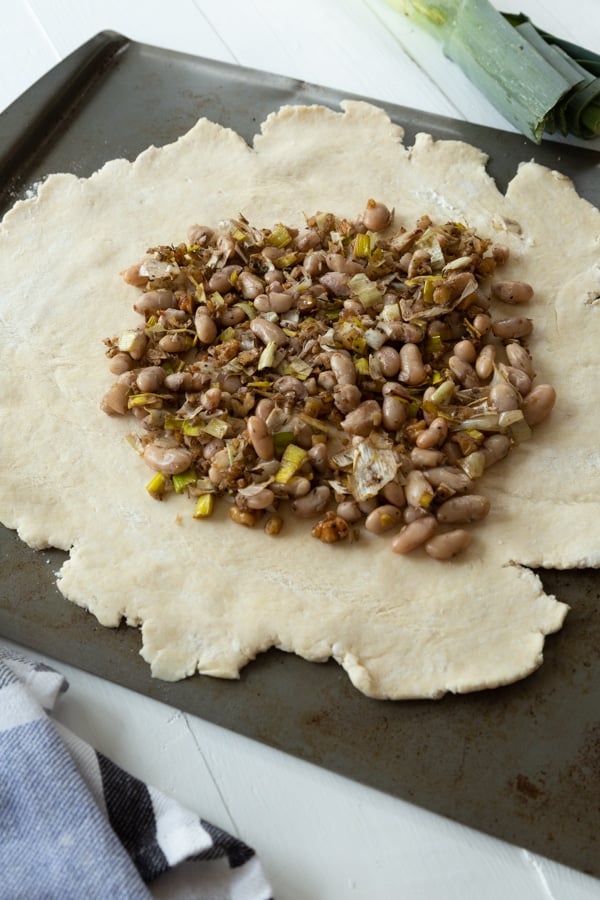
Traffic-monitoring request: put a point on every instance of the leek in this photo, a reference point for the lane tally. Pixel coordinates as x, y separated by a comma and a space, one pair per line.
180, 482
157, 486
293, 459
205, 505
537, 82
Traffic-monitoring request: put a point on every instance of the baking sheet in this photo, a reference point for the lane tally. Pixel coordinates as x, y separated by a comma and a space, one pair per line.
521, 762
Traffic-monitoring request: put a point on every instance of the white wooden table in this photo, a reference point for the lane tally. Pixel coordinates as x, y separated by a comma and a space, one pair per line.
320, 836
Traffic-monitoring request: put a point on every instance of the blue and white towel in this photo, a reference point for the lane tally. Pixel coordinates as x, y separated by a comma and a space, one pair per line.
74, 825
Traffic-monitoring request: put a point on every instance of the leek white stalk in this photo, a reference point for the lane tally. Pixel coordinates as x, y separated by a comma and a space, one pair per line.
527, 74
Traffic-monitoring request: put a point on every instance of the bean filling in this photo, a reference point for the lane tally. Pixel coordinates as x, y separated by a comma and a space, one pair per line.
352, 371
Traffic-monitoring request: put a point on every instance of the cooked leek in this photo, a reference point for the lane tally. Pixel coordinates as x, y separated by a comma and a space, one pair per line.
536, 81
293, 458
157, 486
180, 482
205, 505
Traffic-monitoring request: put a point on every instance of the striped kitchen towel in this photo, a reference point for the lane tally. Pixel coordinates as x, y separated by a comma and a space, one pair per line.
74, 825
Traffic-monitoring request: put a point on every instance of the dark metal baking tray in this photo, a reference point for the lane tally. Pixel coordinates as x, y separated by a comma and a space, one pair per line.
521, 762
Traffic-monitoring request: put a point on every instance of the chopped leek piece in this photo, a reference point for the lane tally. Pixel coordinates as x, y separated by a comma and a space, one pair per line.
216, 427
298, 367
281, 439
372, 468
486, 421
435, 343
172, 423
227, 335
132, 342
429, 285
205, 505
293, 458
475, 434
443, 393
249, 308
317, 424
513, 421
413, 408
145, 399
366, 290
267, 357
359, 345
181, 481
362, 245
473, 464
157, 485
279, 237
284, 262
391, 313
362, 366
532, 80
191, 430
217, 298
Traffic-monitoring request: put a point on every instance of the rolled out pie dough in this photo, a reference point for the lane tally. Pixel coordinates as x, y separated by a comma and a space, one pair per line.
208, 595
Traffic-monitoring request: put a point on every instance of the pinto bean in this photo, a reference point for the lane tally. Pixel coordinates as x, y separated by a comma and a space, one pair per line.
464, 509
176, 342
494, 448
363, 419
153, 301
393, 492
519, 358
168, 460
414, 534
412, 371
261, 499
394, 412
466, 351
383, 518
275, 301
222, 280
376, 216
388, 360
463, 372
267, 331
121, 362
260, 438
513, 327
484, 364
347, 397
349, 511
342, 367
418, 490
205, 326
337, 262
538, 404
512, 292
519, 379
426, 458
114, 402
313, 503
449, 544
150, 379
450, 477
434, 435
